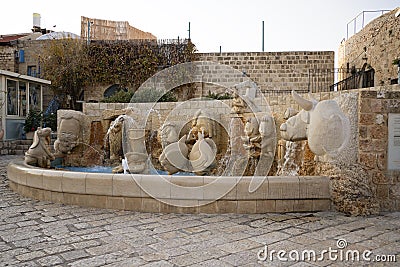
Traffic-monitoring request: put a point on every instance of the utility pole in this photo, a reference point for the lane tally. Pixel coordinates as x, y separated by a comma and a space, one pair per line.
189, 30
263, 36
88, 32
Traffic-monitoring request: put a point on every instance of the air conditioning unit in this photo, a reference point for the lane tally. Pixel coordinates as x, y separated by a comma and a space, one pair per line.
20, 56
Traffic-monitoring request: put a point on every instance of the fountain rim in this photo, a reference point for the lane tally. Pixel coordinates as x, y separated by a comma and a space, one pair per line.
120, 191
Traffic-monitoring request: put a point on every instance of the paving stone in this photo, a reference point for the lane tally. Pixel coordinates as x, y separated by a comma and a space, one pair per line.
158, 256
106, 248
213, 263
42, 233
270, 238
86, 244
50, 261
74, 255
162, 263
135, 261
241, 258
30, 255
238, 246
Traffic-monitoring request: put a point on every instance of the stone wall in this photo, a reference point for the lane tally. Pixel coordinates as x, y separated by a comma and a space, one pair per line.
7, 61
273, 71
32, 50
375, 105
377, 44
112, 30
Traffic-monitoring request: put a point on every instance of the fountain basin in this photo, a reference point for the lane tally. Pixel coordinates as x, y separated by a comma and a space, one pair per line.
128, 191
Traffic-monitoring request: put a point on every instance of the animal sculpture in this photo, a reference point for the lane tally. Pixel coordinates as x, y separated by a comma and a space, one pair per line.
39, 153
322, 123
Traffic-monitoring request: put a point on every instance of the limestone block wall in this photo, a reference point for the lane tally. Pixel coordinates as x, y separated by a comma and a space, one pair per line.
375, 104
377, 44
273, 71
7, 61
112, 30
32, 50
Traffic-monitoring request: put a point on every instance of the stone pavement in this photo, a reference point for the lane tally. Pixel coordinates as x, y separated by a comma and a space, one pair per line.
38, 233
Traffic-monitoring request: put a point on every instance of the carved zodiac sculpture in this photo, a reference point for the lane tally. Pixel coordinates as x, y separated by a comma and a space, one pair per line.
251, 142
115, 138
39, 153
68, 133
323, 124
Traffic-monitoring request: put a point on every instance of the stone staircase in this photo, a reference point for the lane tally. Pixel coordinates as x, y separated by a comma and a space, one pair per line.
16, 147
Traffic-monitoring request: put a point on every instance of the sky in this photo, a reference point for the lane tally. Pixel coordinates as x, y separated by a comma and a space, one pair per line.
236, 26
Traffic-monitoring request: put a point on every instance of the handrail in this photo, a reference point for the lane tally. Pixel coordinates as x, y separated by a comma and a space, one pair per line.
382, 11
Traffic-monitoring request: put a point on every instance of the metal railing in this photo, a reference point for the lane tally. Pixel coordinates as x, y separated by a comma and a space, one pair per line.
360, 79
362, 17
321, 80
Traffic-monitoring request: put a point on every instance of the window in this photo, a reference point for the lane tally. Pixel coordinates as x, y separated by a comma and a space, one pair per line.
35, 96
22, 96
12, 100
22, 99
32, 71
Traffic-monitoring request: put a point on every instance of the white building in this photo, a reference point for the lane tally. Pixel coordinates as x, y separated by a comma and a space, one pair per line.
18, 94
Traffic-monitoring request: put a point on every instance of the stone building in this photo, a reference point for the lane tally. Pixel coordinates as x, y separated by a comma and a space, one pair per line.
377, 45
100, 29
20, 53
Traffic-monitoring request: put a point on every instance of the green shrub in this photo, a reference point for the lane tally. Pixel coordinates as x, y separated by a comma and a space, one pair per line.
219, 96
50, 120
119, 97
33, 120
152, 95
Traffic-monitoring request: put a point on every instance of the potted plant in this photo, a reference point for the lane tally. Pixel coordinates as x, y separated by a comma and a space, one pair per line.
32, 122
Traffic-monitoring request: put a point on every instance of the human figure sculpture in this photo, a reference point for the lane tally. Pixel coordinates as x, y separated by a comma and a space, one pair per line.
68, 133
245, 103
137, 155
168, 134
115, 138
238, 104
251, 142
39, 153
267, 129
201, 124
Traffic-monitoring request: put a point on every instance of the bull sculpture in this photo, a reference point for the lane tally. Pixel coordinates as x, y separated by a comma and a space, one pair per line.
323, 124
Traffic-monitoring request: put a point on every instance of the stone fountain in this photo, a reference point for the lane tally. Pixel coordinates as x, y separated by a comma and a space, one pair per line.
222, 150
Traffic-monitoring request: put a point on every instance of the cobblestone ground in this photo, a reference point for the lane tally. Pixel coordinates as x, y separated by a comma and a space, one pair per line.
38, 233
